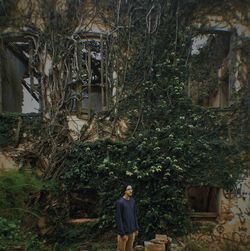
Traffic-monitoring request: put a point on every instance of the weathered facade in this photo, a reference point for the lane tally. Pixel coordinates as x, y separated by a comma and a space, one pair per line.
222, 34
223, 43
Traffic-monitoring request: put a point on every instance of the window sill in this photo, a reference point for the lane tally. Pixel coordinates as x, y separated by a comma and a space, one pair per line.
204, 216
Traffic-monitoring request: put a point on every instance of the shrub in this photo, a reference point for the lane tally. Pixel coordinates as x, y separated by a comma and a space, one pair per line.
12, 237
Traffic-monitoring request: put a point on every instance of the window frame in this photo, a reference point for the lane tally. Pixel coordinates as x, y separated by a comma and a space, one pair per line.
207, 215
102, 88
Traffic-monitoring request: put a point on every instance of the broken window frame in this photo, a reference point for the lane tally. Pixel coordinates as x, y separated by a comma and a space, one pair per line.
229, 82
10, 42
79, 85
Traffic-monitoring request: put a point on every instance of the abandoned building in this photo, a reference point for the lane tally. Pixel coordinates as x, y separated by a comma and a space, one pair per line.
223, 39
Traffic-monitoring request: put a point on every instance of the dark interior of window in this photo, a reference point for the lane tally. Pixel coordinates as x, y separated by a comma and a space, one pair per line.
83, 203
203, 199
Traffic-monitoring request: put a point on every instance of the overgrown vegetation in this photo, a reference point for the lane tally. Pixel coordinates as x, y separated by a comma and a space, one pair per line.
169, 145
18, 128
16, 191
159, 165
12, 237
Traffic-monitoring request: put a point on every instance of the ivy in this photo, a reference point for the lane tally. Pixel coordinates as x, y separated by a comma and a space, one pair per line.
13, 237
170, 144
30, 126
159, 165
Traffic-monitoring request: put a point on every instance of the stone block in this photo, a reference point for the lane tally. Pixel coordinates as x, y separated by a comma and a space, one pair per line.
163, 238
154, 246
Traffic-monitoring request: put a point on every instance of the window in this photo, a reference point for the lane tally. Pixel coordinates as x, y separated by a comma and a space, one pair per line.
203, 201
89, 86
210, 70
17, 80
82, 203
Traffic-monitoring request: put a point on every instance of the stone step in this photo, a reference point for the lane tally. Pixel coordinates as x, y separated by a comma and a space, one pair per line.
151, 246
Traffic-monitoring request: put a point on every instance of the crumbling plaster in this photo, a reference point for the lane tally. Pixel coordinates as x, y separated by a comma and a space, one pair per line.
233, 222
235, 212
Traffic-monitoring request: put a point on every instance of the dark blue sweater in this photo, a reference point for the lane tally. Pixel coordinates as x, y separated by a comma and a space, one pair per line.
126, 219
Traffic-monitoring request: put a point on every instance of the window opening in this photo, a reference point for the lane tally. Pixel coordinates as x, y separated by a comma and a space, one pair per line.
209, 70
18, 83
82, 203
203, 201
89, 87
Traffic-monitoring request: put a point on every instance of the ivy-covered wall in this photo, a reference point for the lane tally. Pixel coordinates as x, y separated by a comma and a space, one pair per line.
157, 169
169, 145
16, 128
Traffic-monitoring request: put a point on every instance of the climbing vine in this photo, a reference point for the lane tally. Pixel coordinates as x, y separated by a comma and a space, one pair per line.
169, 144
18, 128
160, 165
